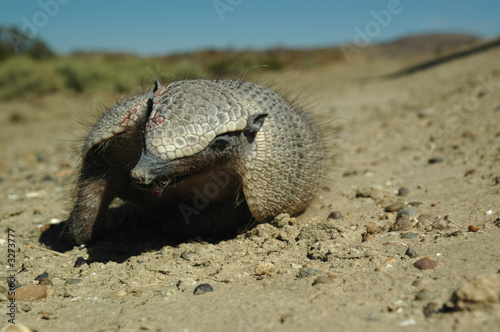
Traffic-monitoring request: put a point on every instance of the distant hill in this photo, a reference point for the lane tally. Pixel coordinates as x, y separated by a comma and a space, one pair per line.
429, 44
426, 45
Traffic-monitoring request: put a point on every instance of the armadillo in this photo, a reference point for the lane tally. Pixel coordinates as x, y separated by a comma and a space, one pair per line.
215, 139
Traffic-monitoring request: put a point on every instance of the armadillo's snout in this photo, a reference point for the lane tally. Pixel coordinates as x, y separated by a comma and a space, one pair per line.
141, 176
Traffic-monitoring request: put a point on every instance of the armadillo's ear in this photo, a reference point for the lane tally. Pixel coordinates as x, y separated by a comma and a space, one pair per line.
255, 122
157, 86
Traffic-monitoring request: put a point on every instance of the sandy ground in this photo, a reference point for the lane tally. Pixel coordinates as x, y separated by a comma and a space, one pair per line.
311, 272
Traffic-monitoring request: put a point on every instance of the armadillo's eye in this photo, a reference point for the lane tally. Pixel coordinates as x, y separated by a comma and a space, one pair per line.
221, 142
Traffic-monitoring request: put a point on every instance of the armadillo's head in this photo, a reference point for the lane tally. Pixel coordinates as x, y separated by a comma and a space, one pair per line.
193, 126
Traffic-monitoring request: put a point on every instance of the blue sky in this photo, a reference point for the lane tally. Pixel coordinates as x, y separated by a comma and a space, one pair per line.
155, 27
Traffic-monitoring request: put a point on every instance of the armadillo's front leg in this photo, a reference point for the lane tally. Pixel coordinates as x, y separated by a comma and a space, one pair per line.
94, 194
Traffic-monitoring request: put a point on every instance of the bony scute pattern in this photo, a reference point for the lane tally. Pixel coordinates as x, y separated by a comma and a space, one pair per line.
186, 118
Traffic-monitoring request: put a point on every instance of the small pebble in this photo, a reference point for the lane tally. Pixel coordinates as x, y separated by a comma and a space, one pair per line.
411, 253
45, 281
35, 194
425, 264
55, 221
335, 215
473, 228
47, 178
402, 224
483, 289
367, 237
395, 207
372, 228
264, 269
43, 275
408, 322
73, 281
189, 255
403, 191
489, 212
30, 293
18, 327
406, 213
80, 261
40, 157
435, 160
202, 289
425, 113
281, 220
306, 272
425, 295
323, 280
120, 293
409, 235
415, 203
430, 309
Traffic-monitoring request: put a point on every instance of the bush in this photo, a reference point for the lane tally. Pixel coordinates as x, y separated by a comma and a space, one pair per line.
22, 76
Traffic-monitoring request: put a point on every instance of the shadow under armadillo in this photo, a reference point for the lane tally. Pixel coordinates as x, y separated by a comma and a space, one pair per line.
131, 230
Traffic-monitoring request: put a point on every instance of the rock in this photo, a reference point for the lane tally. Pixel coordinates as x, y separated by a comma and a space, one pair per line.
425, 264
189, 255
80, 261
372, 228
430, 309
403, 191
406, 213
374, 192
264, 269
323, 280
409, 235
47, 315
18, 327
45, 281
281, 220
47, 178
185, 284
306, 272
202, 289
482, 290
43, 275
367, 237
411, 253
443, 224
120, 293
402, 224
425, 295
435, 160
395, 207
73, 281
425, 113
335, 215
473, 228
30, 293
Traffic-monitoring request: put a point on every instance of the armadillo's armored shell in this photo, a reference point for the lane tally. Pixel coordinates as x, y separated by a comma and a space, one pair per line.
188, 115
284, 168
117, 119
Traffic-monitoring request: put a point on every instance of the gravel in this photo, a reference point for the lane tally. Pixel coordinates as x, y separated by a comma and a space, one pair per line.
202, 289
395, 207
425, 264
335, 215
